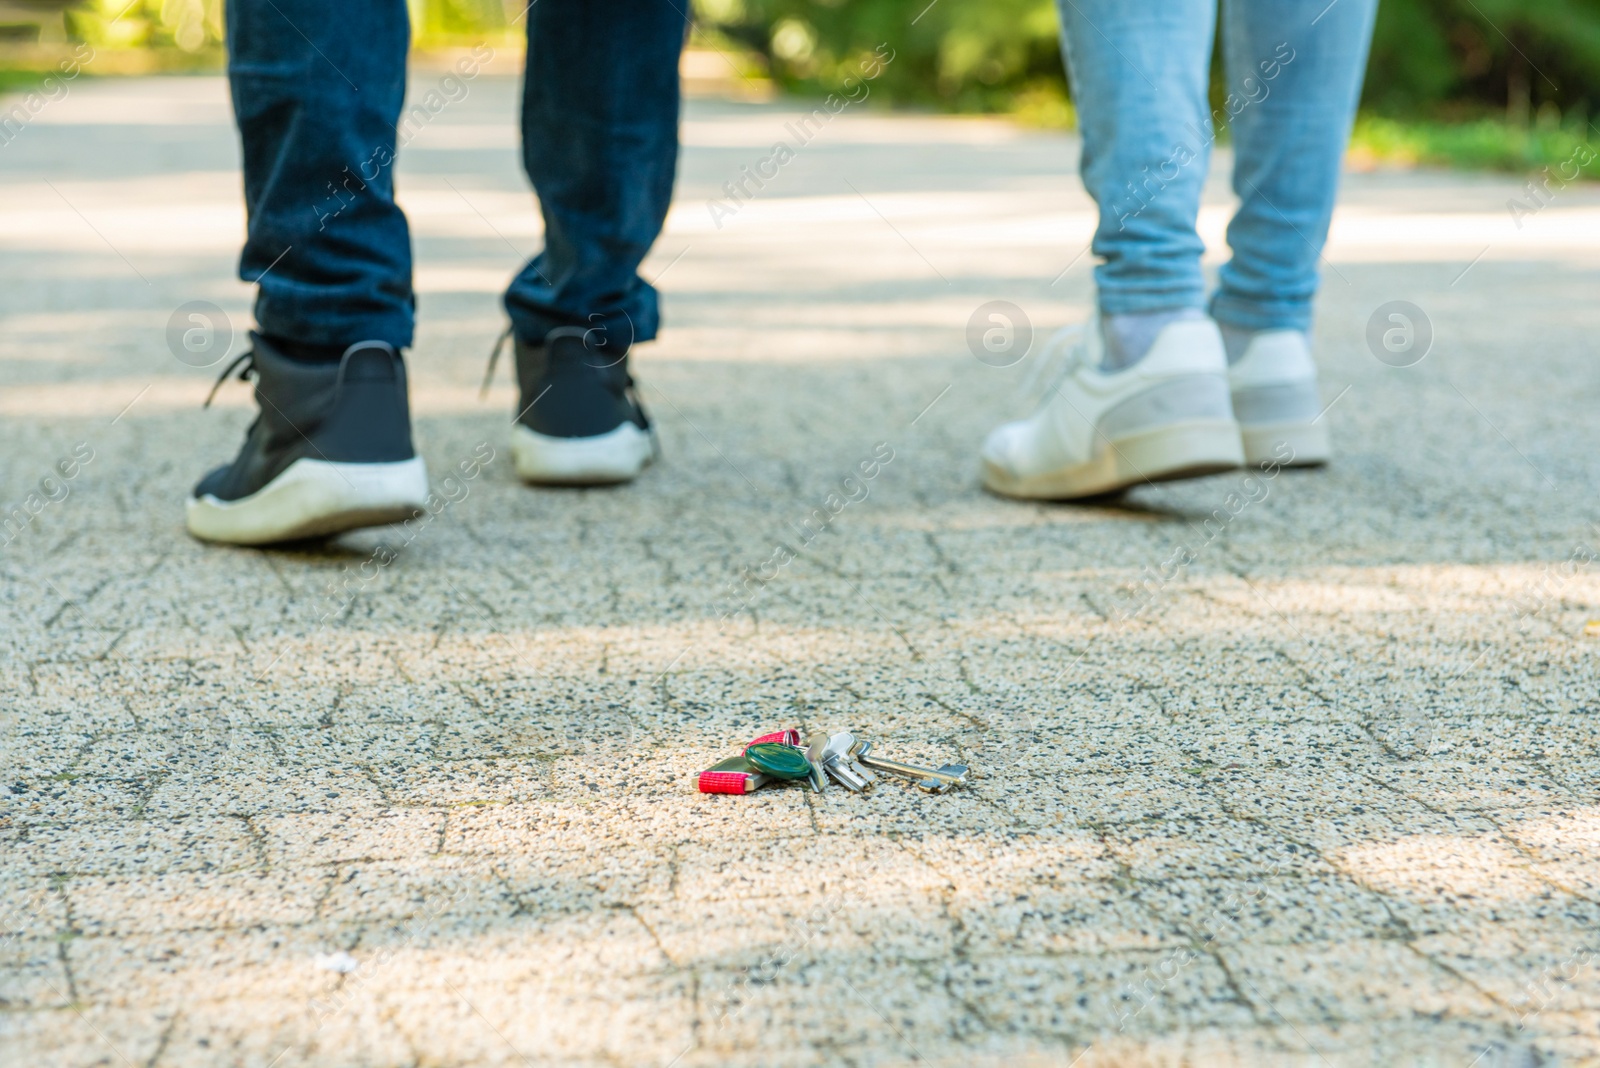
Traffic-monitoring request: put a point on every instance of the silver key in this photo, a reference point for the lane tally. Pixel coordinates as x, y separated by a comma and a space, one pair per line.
849, 758
816, 745
932, 780
837, 761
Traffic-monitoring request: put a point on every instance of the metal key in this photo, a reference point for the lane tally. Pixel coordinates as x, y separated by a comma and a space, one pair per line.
816, 745
932, 780
836, 760
856, 766
849, 759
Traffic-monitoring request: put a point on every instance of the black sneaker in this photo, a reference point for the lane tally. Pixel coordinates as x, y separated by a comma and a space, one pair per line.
579, 421
330, 450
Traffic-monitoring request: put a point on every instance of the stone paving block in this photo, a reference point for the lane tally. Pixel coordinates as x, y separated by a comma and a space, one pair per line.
1054, 858
1402, 1040
573, 875
830, 864
246, 792
32, 975
134, 846
73, 706
1056, 743
453, 783
1290, 794
381, 708
459, 1016
1079, 920
761, 1012
1286, 910
239, 965
31, 906
418, 889
1493, 919
1309, 745
1483, 869
1128, 799
342, 746
364, 1031
327, 837
70, 798
130, 906
84, 1036
39, 751
1373, 827
1352, 980
1208, 848
562, 951
1557, 1037
1077, 997
897, 807
1568, 834
499, 829
1528, 964
285, 699
773, 934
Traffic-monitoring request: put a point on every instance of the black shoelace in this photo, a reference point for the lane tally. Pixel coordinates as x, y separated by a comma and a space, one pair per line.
494, 358
248, 359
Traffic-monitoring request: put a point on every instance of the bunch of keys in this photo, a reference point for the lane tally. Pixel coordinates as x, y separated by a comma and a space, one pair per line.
844, 759
781, 755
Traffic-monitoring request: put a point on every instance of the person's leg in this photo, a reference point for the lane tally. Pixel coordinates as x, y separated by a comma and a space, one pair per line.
317, 89
1149, 400
1294, 77
600, 143
1139, 75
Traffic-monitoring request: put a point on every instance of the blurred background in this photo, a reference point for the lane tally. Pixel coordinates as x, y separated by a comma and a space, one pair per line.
1480, 84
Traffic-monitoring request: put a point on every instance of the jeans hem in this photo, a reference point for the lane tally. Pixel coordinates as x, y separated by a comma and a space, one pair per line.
395, 330
1247, 314
530, 328
1142, 301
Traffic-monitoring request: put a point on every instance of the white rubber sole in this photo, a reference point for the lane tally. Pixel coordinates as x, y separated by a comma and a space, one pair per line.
1182, 450
1286, 444
313, 498
605, 459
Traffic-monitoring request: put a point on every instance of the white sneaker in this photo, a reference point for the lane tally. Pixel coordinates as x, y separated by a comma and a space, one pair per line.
1168, 416
330, 451
597, 460
1275, 399
579, 420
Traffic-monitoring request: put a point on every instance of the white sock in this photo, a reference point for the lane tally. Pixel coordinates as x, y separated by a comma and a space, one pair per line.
1236, 339
1129, 337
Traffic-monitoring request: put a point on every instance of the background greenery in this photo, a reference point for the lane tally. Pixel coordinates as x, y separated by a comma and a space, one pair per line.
1484, 83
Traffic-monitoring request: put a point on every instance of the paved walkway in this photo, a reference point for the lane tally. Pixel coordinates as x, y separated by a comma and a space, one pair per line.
1327, 795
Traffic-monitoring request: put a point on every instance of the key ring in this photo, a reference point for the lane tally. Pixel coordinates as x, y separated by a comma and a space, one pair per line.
778, 760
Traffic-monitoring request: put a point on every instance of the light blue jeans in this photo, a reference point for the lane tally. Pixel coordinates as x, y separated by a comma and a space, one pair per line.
1140, 72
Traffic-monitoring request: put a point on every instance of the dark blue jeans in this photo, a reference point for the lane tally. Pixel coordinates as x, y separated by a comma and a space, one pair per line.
318, 88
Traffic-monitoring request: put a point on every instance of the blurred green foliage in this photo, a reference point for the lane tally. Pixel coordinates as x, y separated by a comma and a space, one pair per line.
1477, 144
440, 23
1446, 58
1429, 57
191, 26
195, 26
965, 55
